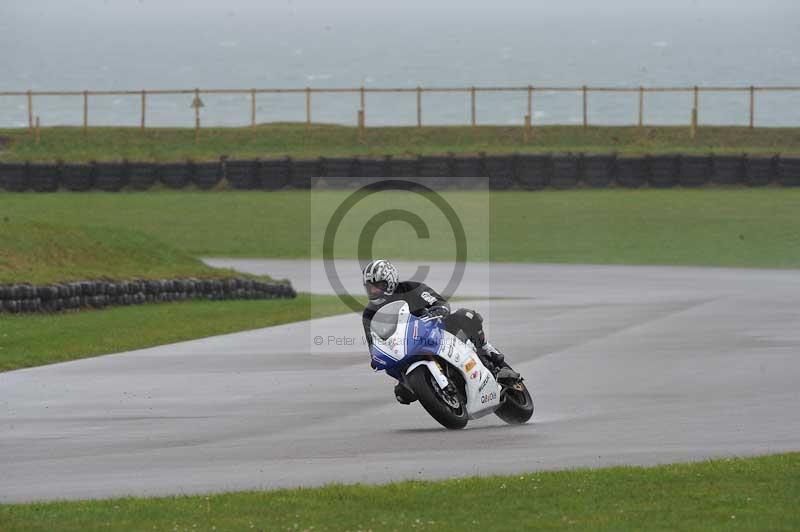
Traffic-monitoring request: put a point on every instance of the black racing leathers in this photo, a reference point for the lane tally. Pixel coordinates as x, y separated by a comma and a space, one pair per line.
423, 300
420, 297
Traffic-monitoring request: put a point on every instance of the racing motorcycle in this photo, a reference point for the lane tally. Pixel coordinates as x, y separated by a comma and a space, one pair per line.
443, 372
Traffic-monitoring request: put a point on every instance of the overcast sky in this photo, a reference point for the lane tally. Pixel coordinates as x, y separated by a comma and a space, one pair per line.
618, 6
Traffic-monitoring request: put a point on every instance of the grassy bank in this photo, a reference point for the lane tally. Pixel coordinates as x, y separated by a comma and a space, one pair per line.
79, 335
36, 252
739, 494
273, 140
709, 227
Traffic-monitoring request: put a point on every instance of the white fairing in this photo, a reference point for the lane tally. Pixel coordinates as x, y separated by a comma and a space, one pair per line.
483, 392
395, 345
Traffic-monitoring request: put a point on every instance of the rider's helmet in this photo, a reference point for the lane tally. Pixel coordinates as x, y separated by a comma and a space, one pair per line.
380, 280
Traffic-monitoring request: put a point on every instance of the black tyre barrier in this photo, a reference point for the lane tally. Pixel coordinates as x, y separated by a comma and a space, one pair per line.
274, 174
338, 172
14, 177
242, 175
565, 171
760, 171
111, 177
529, 171
206, 175
597, 170
631, 172
436, 171
304, 173
77, 177
789, 171
143, 176
44, 177
402, 167
501, 170
370, 170
663, 170
468, 172
26, 298
176, 175
534, 171
695, 170
375, 167
729, 169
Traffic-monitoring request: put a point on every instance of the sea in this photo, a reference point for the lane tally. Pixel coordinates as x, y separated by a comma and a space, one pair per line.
142, 44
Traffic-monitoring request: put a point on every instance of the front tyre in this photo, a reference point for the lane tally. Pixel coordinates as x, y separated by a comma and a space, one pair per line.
518, 405
449, 409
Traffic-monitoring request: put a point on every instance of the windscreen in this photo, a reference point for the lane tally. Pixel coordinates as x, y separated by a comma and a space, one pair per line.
384, 323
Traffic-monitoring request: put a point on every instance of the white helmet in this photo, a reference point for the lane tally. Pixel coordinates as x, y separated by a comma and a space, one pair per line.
380, 280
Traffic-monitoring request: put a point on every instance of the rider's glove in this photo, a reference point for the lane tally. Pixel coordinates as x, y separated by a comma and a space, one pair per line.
436, 312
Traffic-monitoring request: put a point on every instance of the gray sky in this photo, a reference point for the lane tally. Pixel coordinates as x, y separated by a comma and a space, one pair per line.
578, 6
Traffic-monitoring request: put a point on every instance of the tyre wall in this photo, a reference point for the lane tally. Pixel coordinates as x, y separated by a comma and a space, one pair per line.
26, 298
530, 171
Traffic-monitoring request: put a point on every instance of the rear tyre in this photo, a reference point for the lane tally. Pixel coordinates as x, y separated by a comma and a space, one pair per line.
518, 405
449, 410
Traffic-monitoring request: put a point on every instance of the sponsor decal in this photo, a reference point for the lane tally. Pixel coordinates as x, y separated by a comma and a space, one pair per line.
483, 384
488, 397
474, 375
470, 364
428, 297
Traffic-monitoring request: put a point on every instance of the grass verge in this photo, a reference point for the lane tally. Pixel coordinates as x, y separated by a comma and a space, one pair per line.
274, 140
39, 253
708, 227
79, 335
733, 494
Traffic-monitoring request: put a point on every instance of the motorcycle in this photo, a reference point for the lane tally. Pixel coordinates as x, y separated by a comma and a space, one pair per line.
443, 372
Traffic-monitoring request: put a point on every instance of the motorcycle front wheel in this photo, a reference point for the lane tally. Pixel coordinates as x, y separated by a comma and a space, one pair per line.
449, 410
518, 405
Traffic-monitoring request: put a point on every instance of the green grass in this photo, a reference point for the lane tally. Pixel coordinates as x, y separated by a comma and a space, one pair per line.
273, 140
754, 494
709, 227
41, 253
72, 336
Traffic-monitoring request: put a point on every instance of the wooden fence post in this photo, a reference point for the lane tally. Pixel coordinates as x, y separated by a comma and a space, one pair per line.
472, 95
196, 105
30, 111
85, 112
530, 101
361, 128
419, 106
752, 106
38, 132
641, 107
308, 108
144, 109
693, 128
362, 98
585, 111
253, 110
526, 135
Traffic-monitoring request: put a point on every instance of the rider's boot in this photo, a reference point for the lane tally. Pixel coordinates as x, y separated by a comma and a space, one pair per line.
504, 374
403, 395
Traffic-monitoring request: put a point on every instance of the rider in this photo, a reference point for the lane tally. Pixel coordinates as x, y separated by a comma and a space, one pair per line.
382, 283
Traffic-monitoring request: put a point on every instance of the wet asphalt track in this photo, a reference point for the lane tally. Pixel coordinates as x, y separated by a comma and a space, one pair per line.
628, 365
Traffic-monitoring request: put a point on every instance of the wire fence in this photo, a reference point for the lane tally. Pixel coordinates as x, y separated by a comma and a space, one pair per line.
583, 94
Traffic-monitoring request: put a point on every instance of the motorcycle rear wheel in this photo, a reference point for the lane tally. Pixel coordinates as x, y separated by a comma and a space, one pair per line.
430, 397
518, 405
